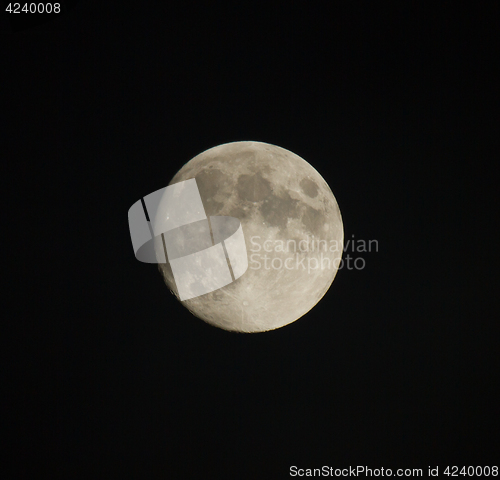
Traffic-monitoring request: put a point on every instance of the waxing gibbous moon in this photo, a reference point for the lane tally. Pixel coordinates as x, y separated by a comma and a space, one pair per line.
288, 214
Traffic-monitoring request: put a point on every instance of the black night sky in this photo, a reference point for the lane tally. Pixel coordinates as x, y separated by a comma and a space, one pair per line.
107, 376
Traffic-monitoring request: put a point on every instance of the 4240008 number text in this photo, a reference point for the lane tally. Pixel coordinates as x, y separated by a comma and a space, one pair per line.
471, 471
34, 8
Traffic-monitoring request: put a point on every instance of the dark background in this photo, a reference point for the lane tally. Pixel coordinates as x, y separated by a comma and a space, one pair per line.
396, 105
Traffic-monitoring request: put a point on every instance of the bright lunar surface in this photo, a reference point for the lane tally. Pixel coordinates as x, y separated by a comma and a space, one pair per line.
292, 229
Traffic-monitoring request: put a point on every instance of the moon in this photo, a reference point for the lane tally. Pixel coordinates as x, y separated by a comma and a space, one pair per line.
292, 228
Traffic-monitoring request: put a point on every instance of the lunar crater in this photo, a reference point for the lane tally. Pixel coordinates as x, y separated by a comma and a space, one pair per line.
309, 187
